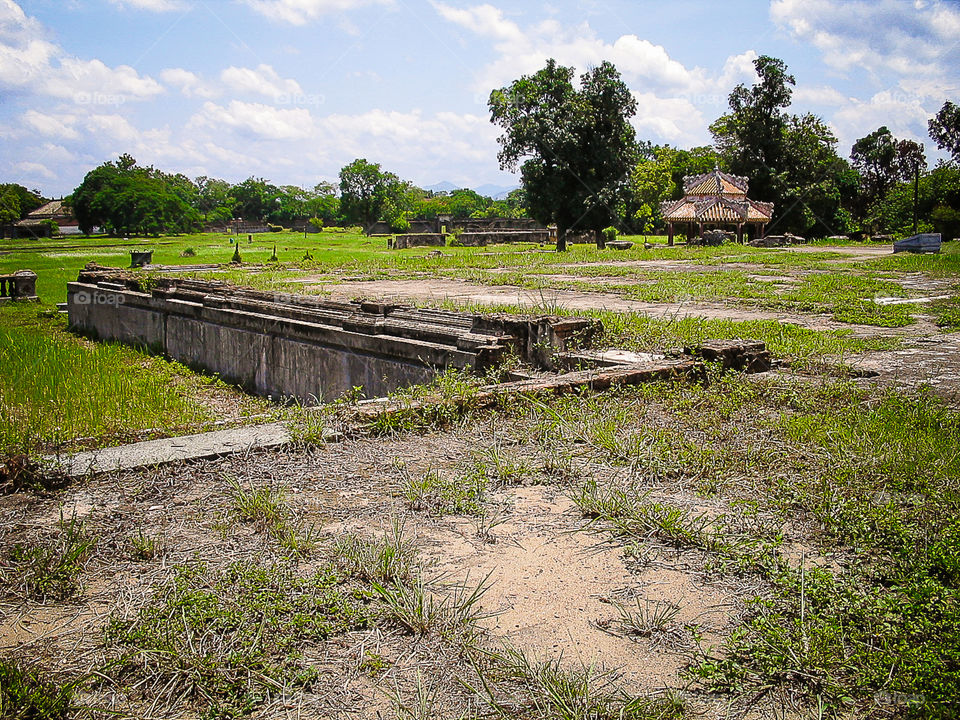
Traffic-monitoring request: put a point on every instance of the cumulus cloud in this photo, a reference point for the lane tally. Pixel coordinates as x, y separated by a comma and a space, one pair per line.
28, 62
262, 80
189, 83
912, 42
58, 126
256, 120
300, 12
152, 5
660, 81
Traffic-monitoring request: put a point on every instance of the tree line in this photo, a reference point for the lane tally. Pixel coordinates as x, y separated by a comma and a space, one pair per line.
582, 168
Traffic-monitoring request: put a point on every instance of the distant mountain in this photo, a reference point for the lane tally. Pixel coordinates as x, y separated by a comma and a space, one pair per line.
497, 192
445, 186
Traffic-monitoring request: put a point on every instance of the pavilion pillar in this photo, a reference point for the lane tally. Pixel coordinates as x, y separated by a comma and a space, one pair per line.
740, 233
670, 233
700, 226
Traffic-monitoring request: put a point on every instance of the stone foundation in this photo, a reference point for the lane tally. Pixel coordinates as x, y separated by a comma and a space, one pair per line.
280, 345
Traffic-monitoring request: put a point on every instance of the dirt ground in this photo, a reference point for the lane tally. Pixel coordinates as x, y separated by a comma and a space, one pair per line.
554, 582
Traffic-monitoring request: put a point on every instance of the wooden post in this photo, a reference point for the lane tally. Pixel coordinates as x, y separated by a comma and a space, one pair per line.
670, 234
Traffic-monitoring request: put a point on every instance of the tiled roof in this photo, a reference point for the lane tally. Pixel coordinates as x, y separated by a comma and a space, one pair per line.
715, 182
716, 209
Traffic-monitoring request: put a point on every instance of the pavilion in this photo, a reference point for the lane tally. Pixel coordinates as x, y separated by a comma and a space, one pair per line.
714, 200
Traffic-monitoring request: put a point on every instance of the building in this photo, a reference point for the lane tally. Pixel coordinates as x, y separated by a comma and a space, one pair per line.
716, 200
36, 223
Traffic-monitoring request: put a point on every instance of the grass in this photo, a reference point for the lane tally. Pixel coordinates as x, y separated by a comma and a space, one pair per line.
48, 569
26, 693
224, 642
421, 607
388, 559
515, 685
872, 477
267, 508
59, 392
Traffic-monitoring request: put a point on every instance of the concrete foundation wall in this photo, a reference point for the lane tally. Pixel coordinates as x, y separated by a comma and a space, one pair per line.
310, 349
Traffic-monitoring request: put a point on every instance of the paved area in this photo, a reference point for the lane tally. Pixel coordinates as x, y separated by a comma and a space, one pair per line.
168, 450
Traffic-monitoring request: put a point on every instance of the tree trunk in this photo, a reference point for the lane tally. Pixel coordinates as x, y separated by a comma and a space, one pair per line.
601, 240
561, 238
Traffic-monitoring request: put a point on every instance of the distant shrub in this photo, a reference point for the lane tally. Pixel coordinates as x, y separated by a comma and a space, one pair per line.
609, 234
317, 223
189, 252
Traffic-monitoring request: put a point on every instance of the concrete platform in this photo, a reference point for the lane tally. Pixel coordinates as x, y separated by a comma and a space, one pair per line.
169, 450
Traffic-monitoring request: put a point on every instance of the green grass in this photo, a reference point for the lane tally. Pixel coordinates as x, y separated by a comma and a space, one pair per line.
29, 694
47, 569
225, 641
54, 388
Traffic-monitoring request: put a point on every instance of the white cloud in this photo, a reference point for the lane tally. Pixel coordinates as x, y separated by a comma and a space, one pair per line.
817, 95
58, 126
262, 80
35, 170
256, 120
904, 116
152, 5
300, 12
30, 63
914, 42
661, 82
190, 84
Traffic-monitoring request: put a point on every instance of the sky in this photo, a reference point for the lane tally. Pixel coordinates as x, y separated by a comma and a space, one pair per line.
293, 90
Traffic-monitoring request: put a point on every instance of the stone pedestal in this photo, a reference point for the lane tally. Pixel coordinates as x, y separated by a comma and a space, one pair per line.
139, 258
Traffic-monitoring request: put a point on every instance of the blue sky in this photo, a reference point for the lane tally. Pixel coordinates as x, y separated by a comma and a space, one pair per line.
292, 90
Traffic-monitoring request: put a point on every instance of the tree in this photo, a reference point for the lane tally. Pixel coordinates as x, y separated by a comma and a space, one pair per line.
575, 147
126, 199
911, 161
944, 129
16, 202
255, 199
214, 201
752, 137
790, 160
9, 205
368, 193
883, 161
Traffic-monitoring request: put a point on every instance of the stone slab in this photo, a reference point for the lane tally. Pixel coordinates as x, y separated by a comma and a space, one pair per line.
151, 453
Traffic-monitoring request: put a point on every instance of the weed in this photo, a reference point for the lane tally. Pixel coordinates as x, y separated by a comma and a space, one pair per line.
443, 495
389, 559
262, 505
647, 617
421, 607
227, 640
26, 694
513, 685
48, 570
145, 547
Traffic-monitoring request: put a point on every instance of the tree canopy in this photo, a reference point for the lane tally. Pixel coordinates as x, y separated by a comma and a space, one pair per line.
575, 147
944, 129
126, 199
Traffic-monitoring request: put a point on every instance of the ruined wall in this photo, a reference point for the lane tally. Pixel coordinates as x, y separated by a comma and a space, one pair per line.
298, 346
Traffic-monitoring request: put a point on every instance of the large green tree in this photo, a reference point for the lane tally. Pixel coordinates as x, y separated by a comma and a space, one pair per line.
126, 199
575, 147
944, 128
16, 202
368, 193
790, 160
883, 161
